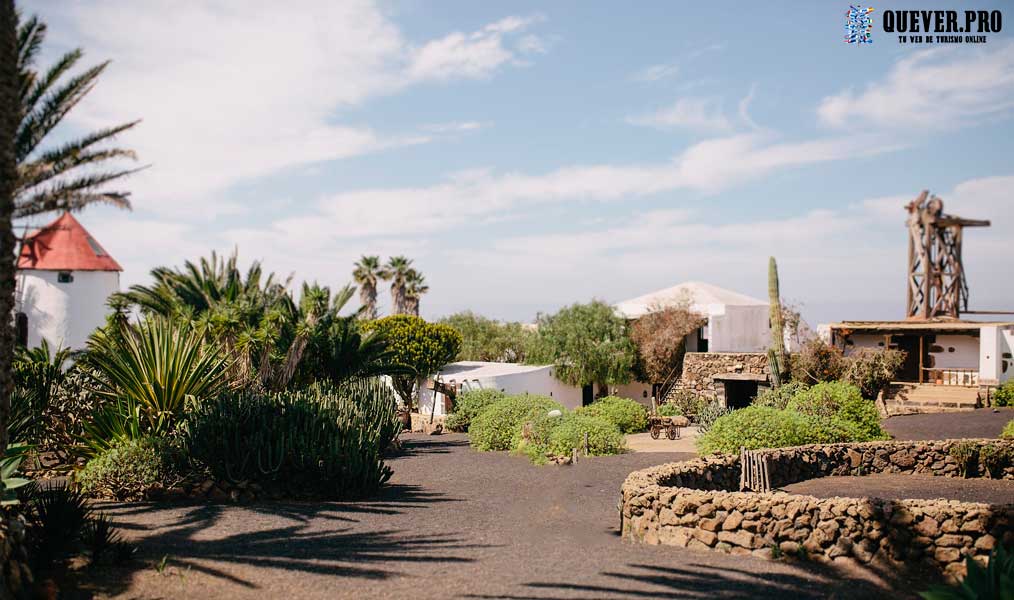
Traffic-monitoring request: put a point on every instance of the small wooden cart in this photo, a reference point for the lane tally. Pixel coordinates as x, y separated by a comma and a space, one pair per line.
670, 425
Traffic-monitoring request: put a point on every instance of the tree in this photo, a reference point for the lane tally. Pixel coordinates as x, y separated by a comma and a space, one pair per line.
9, 116
424, 347
588, 344
254, 317
396, 271
415, 287
71, 175
487, 340
366, 274
660, 338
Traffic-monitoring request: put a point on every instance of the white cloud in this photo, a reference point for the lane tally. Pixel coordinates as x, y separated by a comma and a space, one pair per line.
655, 72
933, 89
474, 55
233, 90
695, 114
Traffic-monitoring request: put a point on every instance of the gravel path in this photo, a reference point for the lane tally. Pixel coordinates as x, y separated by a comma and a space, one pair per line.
454, 523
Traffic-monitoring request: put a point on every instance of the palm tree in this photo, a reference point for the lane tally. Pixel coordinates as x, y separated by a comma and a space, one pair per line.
71, 175
367, 272
415, 287
9, 111
396, 271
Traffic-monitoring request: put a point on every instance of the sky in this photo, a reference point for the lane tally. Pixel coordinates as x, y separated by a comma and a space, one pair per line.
531, 155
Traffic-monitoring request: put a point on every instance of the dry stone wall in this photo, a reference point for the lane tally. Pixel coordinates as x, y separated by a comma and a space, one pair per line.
694, 505
16, 575
701, 368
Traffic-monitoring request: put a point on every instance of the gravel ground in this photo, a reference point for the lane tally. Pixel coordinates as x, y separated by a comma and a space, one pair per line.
454, 523
980, 423
896, 486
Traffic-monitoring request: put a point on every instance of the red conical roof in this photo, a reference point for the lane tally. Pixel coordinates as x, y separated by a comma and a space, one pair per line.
64, 245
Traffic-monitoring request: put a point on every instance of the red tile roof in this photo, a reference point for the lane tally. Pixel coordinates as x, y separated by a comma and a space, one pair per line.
64, 245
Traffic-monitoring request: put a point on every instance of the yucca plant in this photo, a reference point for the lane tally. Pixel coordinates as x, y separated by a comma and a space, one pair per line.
158, 365
112, 424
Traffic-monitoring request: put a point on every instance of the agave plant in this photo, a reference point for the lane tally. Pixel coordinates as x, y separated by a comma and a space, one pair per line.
158, 366
10, 483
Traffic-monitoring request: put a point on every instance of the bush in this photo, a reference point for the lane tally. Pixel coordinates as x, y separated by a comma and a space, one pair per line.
994, 459
325, 440
1008, 430
689, 403
966, 454
817, 361
629, 416
569, 431
497, 427
1004, 395
871, 369
468, 405
670, 410
756, 427
414, 343
843, 403
131, 468
779, 397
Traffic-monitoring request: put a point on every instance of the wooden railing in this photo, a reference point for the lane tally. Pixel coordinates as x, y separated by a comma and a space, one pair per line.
956, 376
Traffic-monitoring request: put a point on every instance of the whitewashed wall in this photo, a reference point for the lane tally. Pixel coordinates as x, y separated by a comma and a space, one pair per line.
996, 354
738, 328
65, 314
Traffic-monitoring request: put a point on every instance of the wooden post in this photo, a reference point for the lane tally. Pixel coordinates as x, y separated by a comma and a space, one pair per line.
921, 342
586, 443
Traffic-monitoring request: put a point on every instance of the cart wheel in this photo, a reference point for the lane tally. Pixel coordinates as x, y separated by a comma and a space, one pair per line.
654, 432
673, 432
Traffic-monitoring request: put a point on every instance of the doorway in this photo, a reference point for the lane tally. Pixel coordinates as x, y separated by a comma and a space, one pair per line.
739, 393
587, 395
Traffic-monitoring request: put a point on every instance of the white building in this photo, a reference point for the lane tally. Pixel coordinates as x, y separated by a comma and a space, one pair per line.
64, 280
513, 379
736, 322
938, 352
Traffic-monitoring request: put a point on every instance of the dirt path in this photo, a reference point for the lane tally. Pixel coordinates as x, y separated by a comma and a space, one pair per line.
455, 523
896, 486
980, 423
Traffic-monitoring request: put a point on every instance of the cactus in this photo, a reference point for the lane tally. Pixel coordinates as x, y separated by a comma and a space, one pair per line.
779, 365
776, 373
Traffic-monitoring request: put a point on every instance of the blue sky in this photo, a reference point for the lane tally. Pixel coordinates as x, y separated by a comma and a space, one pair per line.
529, 155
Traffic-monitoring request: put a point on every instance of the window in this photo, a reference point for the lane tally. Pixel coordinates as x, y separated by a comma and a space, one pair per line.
64, 277
21, 329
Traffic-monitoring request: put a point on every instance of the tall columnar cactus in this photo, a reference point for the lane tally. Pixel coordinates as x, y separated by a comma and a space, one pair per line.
779, 365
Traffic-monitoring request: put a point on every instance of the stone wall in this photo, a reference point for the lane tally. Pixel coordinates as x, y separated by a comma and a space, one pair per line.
700, 369
15, 573
695, 504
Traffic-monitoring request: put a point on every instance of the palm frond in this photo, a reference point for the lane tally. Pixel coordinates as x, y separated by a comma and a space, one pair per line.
37, 124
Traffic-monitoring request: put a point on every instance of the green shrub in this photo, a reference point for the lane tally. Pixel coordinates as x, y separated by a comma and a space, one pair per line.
756, 427
496, 427
325, 440
994, 458
1008, 430
843, 403
966, 454
670, 410
569, 432
779, 397
468, 405
1004, 395
629, 416
817, 361
129, 469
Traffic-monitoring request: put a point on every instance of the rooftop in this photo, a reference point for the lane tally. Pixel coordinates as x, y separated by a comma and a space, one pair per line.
470, 369
695, 293
64, 245
914, 325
